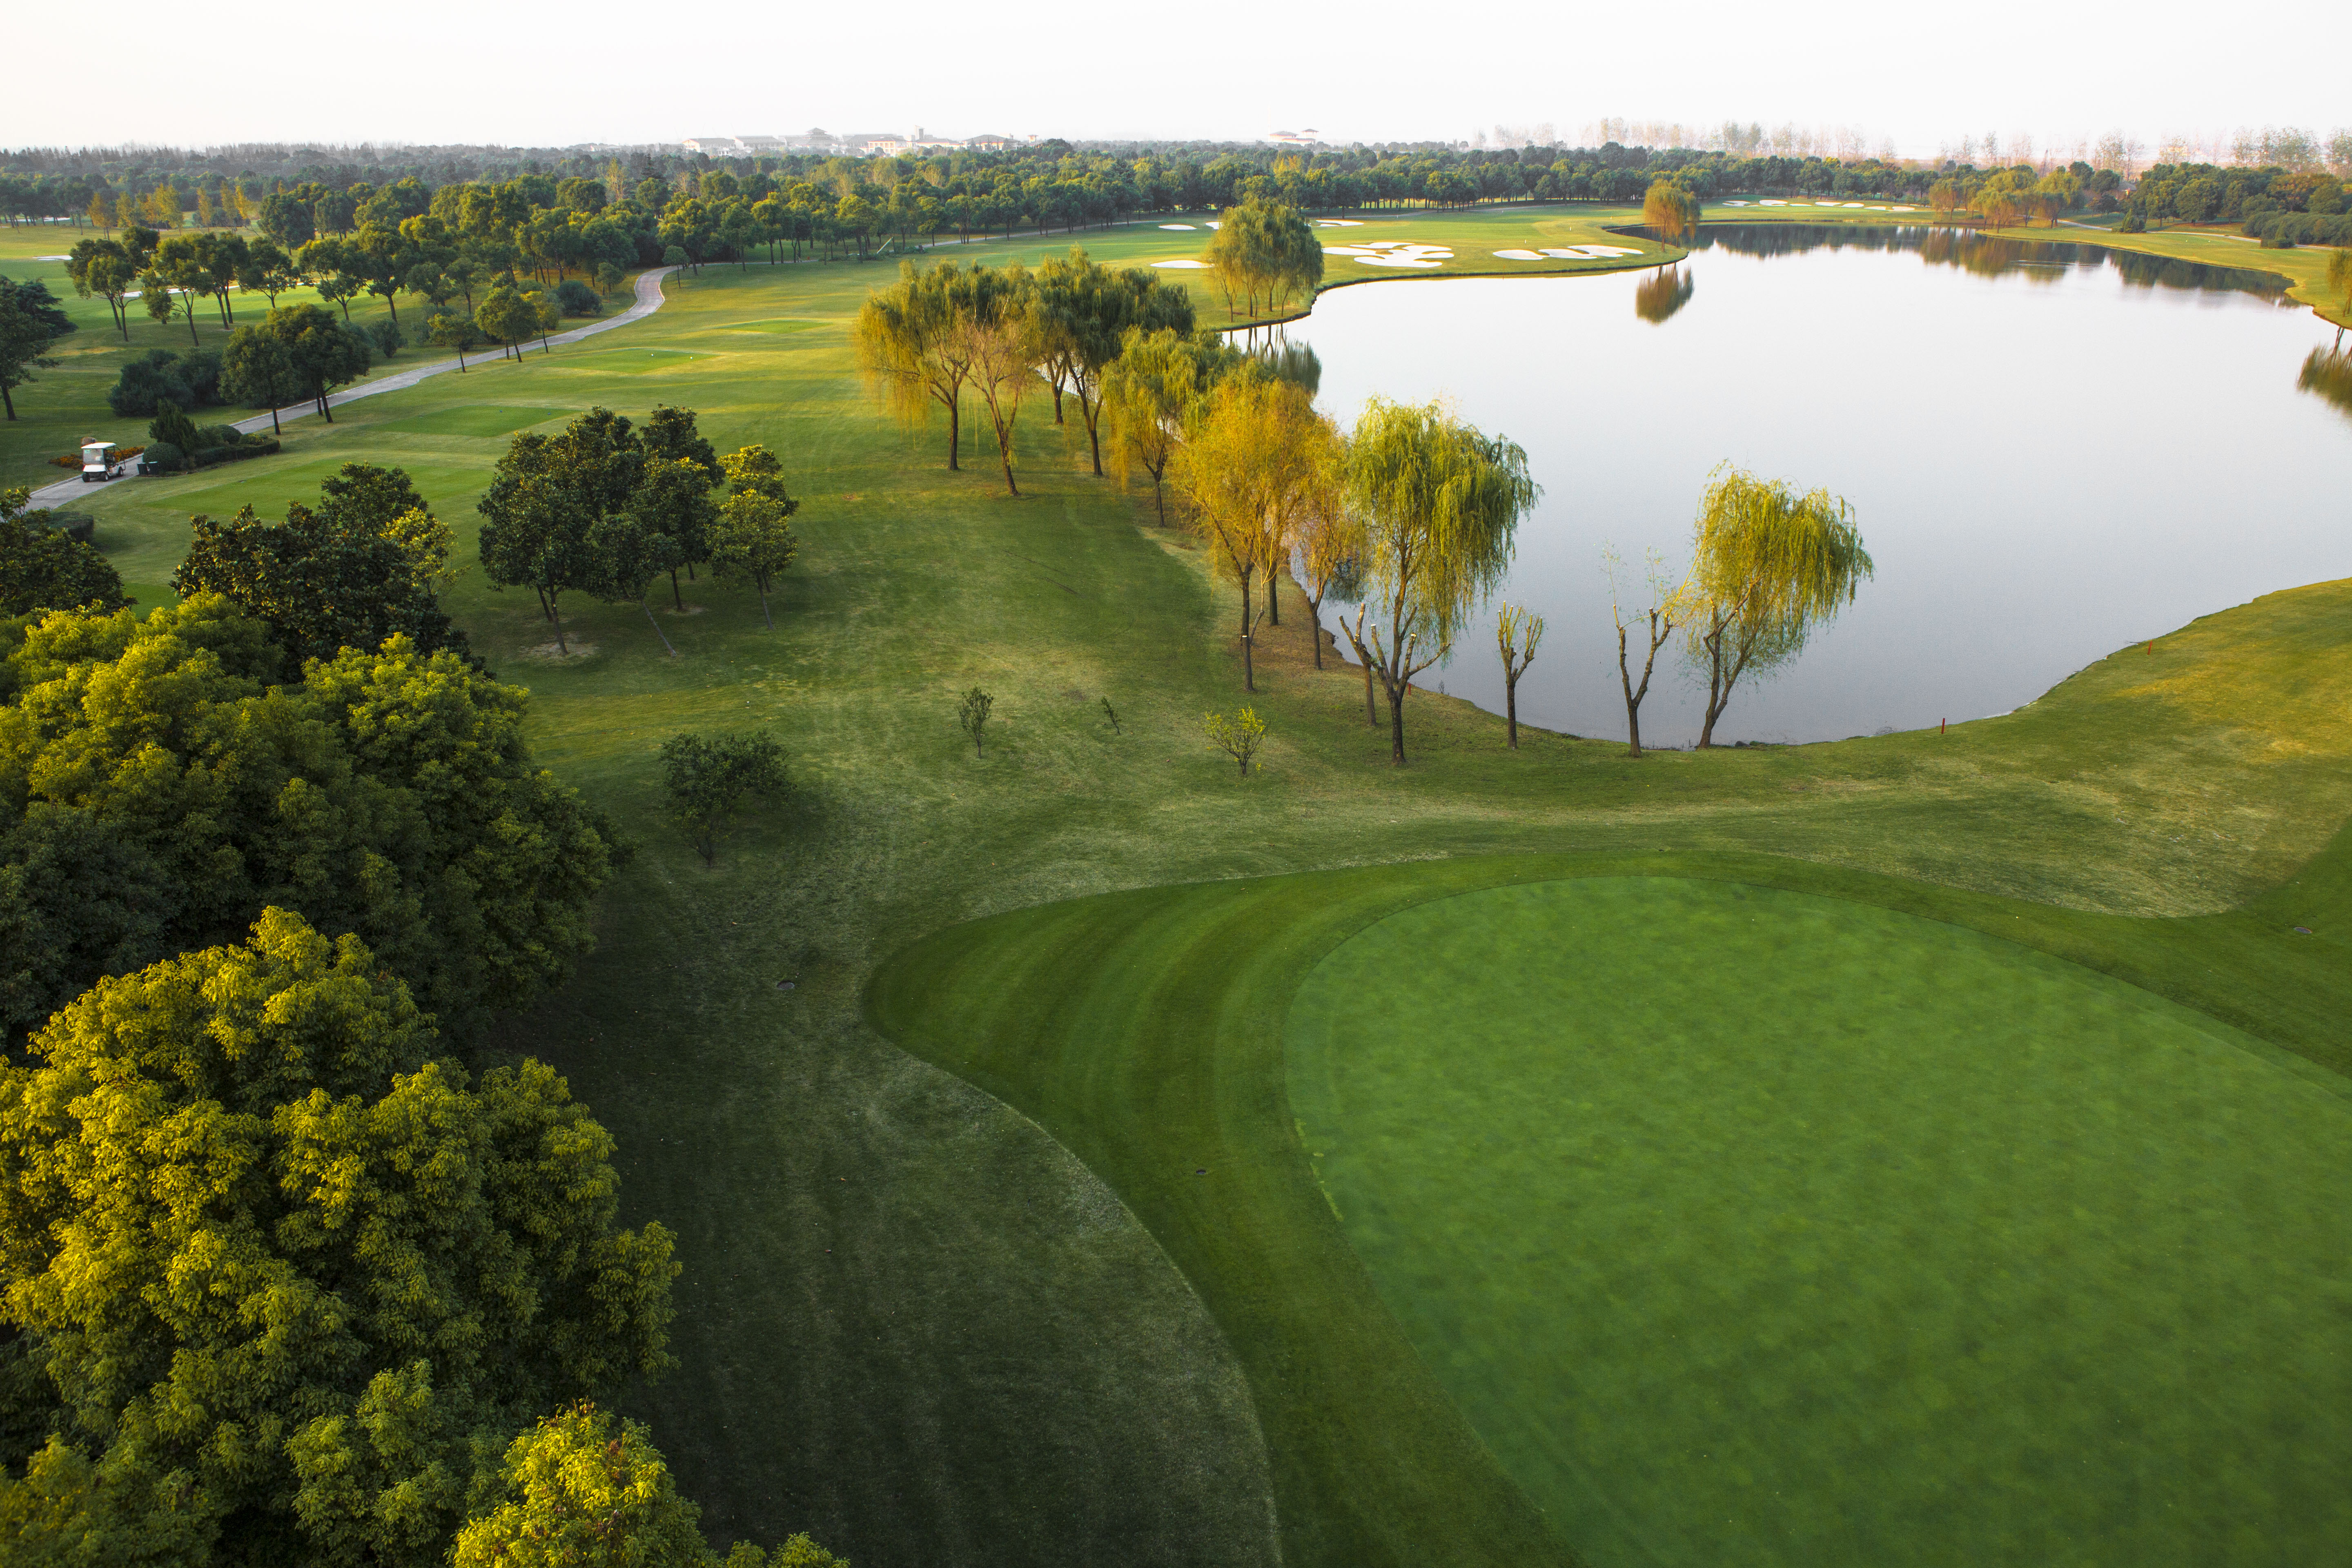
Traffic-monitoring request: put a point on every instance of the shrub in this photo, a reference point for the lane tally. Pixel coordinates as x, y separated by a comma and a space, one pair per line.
173, 428
164, 456
190, 380
385, 337
577, 298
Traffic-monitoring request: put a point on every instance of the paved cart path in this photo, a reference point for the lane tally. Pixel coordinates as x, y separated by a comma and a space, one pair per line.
648, 301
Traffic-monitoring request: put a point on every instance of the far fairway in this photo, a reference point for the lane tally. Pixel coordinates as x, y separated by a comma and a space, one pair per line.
1749, 1225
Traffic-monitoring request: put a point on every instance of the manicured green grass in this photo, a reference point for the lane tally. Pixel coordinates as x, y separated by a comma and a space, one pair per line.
1756, 1227
933, 1326
1146, 1031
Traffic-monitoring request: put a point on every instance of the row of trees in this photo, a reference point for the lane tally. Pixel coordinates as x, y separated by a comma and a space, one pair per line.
30, 321
945, 333
606, 509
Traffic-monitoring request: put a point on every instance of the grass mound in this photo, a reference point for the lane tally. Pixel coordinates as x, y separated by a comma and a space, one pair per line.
1751, 1226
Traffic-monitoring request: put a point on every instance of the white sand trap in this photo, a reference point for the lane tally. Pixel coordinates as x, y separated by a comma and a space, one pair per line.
1768, 201
1587, 252
1188, 264
1338, 223
1903, 209
1735, 203
1401, 253
1213, 225
1176, 226
1520, 255
1857, 204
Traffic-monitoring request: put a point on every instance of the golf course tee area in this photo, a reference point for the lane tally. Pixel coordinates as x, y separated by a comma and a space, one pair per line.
1926, 1148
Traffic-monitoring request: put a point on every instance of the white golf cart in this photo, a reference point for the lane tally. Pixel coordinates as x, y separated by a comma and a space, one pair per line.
98, 464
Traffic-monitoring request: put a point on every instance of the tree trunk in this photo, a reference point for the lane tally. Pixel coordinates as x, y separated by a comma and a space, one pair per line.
763, 607
274, 430
7, 401
1249, 671
1315, 625
955, 428
673, 590
1397, 690
1511, 706
1633, 697
648, 609
1371, 714
556, 615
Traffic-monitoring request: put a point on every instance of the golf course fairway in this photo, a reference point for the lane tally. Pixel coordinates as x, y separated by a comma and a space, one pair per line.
1756, 1227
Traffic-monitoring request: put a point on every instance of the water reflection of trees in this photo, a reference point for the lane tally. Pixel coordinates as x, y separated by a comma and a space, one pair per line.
1986, 255
1662, 293
2328, 373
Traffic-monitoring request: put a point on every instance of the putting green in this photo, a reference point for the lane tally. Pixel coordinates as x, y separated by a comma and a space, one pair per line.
1753, 1225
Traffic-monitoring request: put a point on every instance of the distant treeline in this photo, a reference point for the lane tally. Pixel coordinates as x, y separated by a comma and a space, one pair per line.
2275, 207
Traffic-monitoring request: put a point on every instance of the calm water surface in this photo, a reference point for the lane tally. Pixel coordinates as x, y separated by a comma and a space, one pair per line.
2053, 450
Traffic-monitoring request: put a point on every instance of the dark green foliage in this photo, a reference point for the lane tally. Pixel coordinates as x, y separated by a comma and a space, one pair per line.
322, 587
385, 337
162, 456
712, 779
390, 795
29, 321
322, 354
574, 298
671, 433
172, 424
190, 379
320, 1365
44, 567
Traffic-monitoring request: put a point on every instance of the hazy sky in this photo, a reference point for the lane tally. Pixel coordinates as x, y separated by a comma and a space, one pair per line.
437, 70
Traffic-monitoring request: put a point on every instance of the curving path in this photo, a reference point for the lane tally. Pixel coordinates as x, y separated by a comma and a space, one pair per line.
649, 300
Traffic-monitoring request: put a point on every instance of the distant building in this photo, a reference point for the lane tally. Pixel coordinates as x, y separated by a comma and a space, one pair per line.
1305, 138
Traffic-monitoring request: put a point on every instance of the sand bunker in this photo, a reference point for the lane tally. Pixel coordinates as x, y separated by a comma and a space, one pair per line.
1196, 266
1338, 223
1768, 202
1176, 226
1392, 253
1568, 253
1520, 255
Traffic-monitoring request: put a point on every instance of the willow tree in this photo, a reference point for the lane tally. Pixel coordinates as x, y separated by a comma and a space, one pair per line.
997, 321
1671, 208
1147, 393
2339, 277
1265, 250
1768, 566
1248, 466
1440, 505
1083, 313
912, 347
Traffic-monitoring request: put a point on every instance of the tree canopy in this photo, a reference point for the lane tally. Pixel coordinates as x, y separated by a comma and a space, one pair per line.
158, 789
1768, 566
1440, 505
1265, 252
280, 1272
43, 568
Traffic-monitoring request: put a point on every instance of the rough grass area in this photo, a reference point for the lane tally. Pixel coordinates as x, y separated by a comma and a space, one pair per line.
1756, 1227
935, 1327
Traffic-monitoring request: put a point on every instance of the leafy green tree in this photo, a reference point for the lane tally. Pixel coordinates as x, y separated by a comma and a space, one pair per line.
912, 348
324, 354
42, 568
1147, 392
173, 428
104, 268
1084, 311
264, 1245
390, 795
1671, 209
29, 323
713, 779
1768, 566
1441, 504
267, 269
455, 330
178, 278
753, 533
1265, 251
1238, 737
673, 504
545, 500
257, 370
972, 713
323, 580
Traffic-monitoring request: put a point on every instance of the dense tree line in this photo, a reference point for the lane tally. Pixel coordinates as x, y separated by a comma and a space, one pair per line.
2272, 205
283, 1277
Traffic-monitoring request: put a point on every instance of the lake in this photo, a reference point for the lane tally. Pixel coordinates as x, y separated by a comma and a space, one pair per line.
2053, 450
